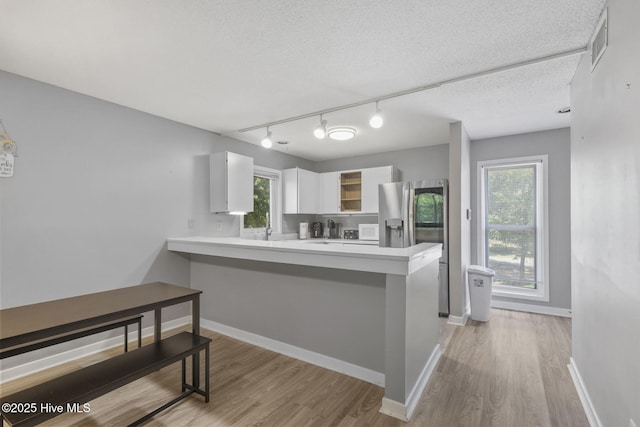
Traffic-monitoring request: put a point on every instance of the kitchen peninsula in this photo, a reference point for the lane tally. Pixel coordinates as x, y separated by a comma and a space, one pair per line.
367, 311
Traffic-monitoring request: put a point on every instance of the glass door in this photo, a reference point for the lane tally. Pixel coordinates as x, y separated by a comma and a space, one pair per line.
429, 215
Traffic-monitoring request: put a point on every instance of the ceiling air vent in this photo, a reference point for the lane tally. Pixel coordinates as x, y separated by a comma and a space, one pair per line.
599, 41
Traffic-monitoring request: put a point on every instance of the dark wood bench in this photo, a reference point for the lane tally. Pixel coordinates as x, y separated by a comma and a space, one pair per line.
79, 387
57, 339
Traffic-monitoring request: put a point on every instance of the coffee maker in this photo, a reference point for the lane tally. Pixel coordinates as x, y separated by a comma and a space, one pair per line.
316, 230
334, 229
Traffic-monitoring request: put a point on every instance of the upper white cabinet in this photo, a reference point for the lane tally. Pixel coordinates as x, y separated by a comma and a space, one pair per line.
302, 191
351, 191
231, 183
330, 182
354, 191
371, 178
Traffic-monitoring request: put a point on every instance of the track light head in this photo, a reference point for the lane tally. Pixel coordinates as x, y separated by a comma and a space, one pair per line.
266, 141
321, 131
376, 121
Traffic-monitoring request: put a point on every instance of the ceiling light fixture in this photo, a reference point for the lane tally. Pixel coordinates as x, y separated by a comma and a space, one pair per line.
266, 141
321, 131
341, 133
376, 121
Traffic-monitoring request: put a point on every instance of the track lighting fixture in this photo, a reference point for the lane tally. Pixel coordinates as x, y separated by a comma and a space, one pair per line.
321, 131
376, 121
266, 141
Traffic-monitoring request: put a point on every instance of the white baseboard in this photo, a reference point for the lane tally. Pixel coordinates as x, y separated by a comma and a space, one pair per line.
308, 356
418, 388
531, 308
29, 368
589, 409
394, 409
402, 411
460, 321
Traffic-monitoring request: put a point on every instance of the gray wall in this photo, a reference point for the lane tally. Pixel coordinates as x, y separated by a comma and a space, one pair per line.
412, 164
555, 143
338, 313
412, 330
459, 226
97, 190
605, 220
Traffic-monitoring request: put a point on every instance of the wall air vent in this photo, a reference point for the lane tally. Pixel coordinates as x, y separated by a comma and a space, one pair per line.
600, 40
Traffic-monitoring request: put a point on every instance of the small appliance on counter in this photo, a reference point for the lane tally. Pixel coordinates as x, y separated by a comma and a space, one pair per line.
334, 229
316, 230
368, 231
351, 234
304, 231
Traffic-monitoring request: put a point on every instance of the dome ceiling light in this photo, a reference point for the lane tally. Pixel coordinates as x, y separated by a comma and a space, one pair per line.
341, 133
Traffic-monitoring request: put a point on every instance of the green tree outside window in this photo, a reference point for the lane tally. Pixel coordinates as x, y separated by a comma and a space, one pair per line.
261, 203
511, 225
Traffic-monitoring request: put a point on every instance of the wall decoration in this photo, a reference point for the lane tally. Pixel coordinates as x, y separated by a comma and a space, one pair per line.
6, 165
7, 145
8, 151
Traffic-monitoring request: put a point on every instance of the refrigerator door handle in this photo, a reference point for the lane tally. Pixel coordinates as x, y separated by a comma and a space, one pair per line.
410, 226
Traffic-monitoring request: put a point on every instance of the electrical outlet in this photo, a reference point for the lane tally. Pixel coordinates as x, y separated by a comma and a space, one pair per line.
218, 226
190, 224
632, 423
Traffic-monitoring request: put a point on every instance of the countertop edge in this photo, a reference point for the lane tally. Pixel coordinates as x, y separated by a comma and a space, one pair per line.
388, 260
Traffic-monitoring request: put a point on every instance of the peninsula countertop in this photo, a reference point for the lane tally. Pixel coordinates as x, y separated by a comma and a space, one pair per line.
400, 261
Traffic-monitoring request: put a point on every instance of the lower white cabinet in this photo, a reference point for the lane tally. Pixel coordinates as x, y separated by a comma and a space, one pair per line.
302, 191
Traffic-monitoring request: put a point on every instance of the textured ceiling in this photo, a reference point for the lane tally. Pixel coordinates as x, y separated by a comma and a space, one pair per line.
228, 65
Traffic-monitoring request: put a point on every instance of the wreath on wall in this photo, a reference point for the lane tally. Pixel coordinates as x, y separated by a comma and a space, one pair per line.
8, 150
7, 145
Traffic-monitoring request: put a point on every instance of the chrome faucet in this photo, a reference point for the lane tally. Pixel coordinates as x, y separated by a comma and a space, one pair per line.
267, 229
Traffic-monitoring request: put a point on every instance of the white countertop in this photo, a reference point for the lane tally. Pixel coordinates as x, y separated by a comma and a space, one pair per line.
401, 261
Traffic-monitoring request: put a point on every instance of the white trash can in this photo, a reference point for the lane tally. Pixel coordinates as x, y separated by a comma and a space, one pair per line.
480, 284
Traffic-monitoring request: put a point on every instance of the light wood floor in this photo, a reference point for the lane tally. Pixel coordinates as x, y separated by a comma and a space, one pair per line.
510, 371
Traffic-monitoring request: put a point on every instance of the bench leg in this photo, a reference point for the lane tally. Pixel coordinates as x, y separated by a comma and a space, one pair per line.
157, 325
139, 333
190, 387
206, 374
126, 338
187, 389
184, 375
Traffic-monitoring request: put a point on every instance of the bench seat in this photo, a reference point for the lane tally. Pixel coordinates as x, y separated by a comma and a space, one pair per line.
80, 333
81, 386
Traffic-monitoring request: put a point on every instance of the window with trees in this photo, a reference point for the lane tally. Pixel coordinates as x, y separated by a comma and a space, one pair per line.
513, 232
266, 196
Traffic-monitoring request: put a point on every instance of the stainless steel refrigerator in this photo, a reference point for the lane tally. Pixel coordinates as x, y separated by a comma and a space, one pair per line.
416, 212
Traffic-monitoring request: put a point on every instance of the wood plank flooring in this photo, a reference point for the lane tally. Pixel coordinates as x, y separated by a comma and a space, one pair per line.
510, 371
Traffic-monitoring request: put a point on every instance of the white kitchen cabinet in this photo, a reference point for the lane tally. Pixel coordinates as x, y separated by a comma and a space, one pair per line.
330, 182
351, 192
354, 191
371, 178
302, 190
231, 183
